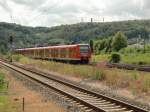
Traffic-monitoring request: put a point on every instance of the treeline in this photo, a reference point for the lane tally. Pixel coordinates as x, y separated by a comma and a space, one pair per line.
68, 34
116, 43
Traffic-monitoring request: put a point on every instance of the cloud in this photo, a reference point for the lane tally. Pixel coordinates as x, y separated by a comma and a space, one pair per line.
30, 3
5, 6
134, 8
56, 12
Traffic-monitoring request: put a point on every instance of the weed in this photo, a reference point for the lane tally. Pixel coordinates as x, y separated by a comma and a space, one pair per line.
1, 81
98, 74
145, 84
135, 75
3, 85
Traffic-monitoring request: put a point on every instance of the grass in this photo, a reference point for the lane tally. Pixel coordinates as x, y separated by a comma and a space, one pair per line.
133, 58
137, 82
136, 58
6, 105
3, 84
83, 71
102, 57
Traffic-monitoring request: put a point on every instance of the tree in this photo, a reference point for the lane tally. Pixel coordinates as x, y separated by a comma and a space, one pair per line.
91, 44
108, 46
3, 49
99, 46
102, 45
119, 41
145, 35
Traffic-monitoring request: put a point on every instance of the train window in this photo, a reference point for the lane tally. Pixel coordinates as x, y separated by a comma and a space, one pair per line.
56, 52
63, 52
52, 52
84, 48
47, 52
71, 52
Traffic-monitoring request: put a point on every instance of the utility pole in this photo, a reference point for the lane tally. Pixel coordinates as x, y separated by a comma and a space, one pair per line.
145, 36
103, 19
91, 20
138, 39
11, 45
82, 20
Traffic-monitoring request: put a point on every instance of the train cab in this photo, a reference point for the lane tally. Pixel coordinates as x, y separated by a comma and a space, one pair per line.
85, 53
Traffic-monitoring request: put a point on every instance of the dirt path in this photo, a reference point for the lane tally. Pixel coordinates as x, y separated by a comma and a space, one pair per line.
34, 102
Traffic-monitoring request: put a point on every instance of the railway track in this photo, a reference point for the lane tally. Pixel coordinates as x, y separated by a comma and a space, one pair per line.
90, 101
144, 68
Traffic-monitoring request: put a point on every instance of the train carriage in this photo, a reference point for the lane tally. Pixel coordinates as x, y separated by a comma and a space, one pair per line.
74, 53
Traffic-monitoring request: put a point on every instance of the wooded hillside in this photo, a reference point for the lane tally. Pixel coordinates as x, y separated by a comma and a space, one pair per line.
66, 34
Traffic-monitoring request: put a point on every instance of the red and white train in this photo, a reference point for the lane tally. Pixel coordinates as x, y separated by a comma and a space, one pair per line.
69, 53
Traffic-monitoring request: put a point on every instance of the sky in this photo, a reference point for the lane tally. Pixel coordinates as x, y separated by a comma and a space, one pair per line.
57, 12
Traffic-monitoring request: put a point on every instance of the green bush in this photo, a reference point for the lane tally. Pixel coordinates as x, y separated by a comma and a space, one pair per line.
17, 57
141, 63
1, 81
8, 56
115, 58
14, 57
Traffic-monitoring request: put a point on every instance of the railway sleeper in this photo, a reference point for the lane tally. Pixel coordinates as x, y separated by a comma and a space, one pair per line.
128, 111
86, 97
110, 107
101, 102
89, 110
116, 110
104, 105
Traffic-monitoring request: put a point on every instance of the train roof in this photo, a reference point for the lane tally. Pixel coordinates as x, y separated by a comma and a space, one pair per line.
60, 46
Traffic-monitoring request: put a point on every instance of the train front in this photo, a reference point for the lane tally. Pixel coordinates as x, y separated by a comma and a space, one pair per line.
85, 53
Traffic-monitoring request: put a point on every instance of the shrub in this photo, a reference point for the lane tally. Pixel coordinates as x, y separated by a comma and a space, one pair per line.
115, 58
8, 57
141, 63
17, 57
135, 76
1, 78
1, 81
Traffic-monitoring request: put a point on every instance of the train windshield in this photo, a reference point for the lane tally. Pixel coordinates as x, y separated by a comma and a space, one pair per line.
84, 48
